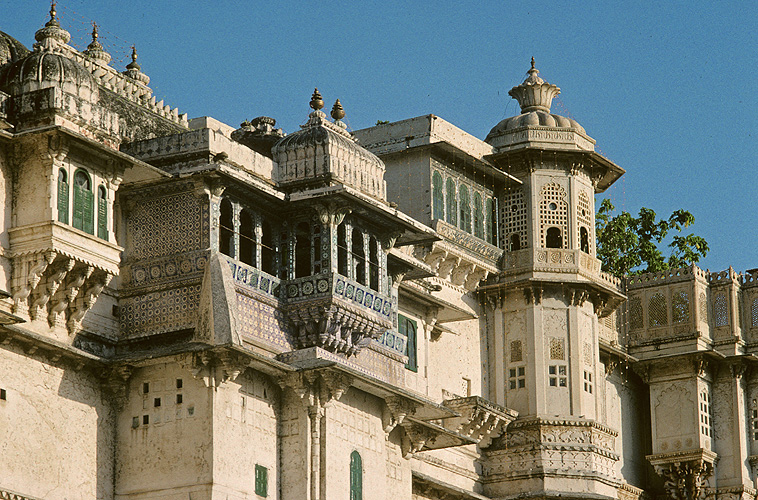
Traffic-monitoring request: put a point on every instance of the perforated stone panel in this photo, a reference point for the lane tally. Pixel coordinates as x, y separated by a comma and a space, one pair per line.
720, 311
703, 305
680, 307
513, 218
159, 312
553, 211
516, 351
656, 310
557, 349
636, 318
584, 217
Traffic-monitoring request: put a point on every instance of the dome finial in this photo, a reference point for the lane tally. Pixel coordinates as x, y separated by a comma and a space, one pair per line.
533, 62
53, 21
133, 69
338, 112
534, 94
94, 32
317, 102
95, 50
133, 64
51, 35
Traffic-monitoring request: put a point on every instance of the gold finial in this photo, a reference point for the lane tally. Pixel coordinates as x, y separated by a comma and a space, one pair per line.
338, 112
94, 31
52, 10
133, 64
317, 102
532, 62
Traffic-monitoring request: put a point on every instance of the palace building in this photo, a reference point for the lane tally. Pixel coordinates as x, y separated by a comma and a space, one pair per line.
190, 310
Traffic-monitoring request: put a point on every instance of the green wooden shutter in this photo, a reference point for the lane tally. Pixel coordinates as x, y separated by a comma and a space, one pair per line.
407, 327
88, 213
261, 480
356, 476
437, 197
102, 214
62, 197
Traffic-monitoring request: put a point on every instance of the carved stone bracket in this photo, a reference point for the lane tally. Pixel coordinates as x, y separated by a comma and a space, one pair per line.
115, 381
414, 438
84, 301
215, 369
480, 419
684, 474
397, 409
533, 294
331, 214
46, 290
317, 388
27, 273
67, 294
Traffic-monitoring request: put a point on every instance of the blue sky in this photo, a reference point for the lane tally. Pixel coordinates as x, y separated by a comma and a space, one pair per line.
668, 89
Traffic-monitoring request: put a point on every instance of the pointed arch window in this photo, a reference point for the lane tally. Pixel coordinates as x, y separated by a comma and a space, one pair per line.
62, 196
478, 216
102, 213
83, 202
465, 208
452, 202
356, 476
438, 199
553, 238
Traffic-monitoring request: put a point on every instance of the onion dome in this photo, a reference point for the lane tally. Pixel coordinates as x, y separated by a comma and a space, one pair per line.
52, 34
133, 69
535, 97
11, 49
95, 50
323, 153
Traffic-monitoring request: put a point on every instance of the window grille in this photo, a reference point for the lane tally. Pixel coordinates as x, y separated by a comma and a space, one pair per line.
553, 213
557, 375
680, 307
703, 304
636, 319
513, 220
720, 311
706, 417
588, 381
656, 310
557, 349
517, 377
465, 208
438, 199
102, 213
584, 218
754, 312
451, 202
407, 327
478, 216
261, 480
516, 352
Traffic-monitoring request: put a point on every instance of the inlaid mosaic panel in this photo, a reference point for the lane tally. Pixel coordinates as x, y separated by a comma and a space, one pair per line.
159, 312
393, 340
178, 267
166, 225
263, 321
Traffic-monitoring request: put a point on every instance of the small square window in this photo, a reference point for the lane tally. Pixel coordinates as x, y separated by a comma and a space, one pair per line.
562, 370
179, 399
157, 402
521, 383
512, 384
3, 395
521, 371
179, 383
551, 370
191, 411
145, 388
562, 382
135, 422
553, 382
145, 419
512, 372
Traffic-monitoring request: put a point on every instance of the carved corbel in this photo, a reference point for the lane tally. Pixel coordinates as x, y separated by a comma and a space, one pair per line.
685, 480
211, 186
331, 214
85, 301
57, 148
476, 276
738, 369
533, 294
231, 365
414, 438
396, 410
64, 297
115, 382
702, 365
53, 282
435, 258
335, 385
37, 266
446, 267
610, 366
599, 304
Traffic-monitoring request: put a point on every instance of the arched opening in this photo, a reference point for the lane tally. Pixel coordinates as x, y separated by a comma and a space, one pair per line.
226, 228
553, 238
373, 264
62, 196
267, 248
515, 242
359, 257
478, 216
247, 238
342, 249
302, 250
102, 213
438, 200
356, 476
83, 202
584, 240
316, 248
465, 208
452, 204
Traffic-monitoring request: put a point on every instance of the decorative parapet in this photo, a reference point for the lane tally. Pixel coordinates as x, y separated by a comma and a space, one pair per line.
684, 472
249, 278
479, 419
728, 276
477, 247
668, 276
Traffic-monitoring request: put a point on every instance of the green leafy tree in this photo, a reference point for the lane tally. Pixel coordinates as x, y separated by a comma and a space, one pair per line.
631, 245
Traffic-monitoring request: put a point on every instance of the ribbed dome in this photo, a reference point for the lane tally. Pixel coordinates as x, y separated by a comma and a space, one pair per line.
534, 118
43, 69
10, 49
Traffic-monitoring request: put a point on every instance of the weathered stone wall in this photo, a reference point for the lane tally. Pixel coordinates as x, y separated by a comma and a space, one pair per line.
56, 429
170, 456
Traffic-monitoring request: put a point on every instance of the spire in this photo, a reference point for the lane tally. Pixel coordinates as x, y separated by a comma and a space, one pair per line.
534, 94
52, 34
95, 50
134, 70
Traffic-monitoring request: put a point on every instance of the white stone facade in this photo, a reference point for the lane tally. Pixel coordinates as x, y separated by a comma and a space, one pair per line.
194, 311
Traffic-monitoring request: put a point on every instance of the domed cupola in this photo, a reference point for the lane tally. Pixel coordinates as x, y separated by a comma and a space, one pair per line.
95, 50
324, 153
49, 66
134, 70
535, 97
11, 49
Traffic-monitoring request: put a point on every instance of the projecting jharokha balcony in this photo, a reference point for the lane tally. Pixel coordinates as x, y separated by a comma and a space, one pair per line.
326, 310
